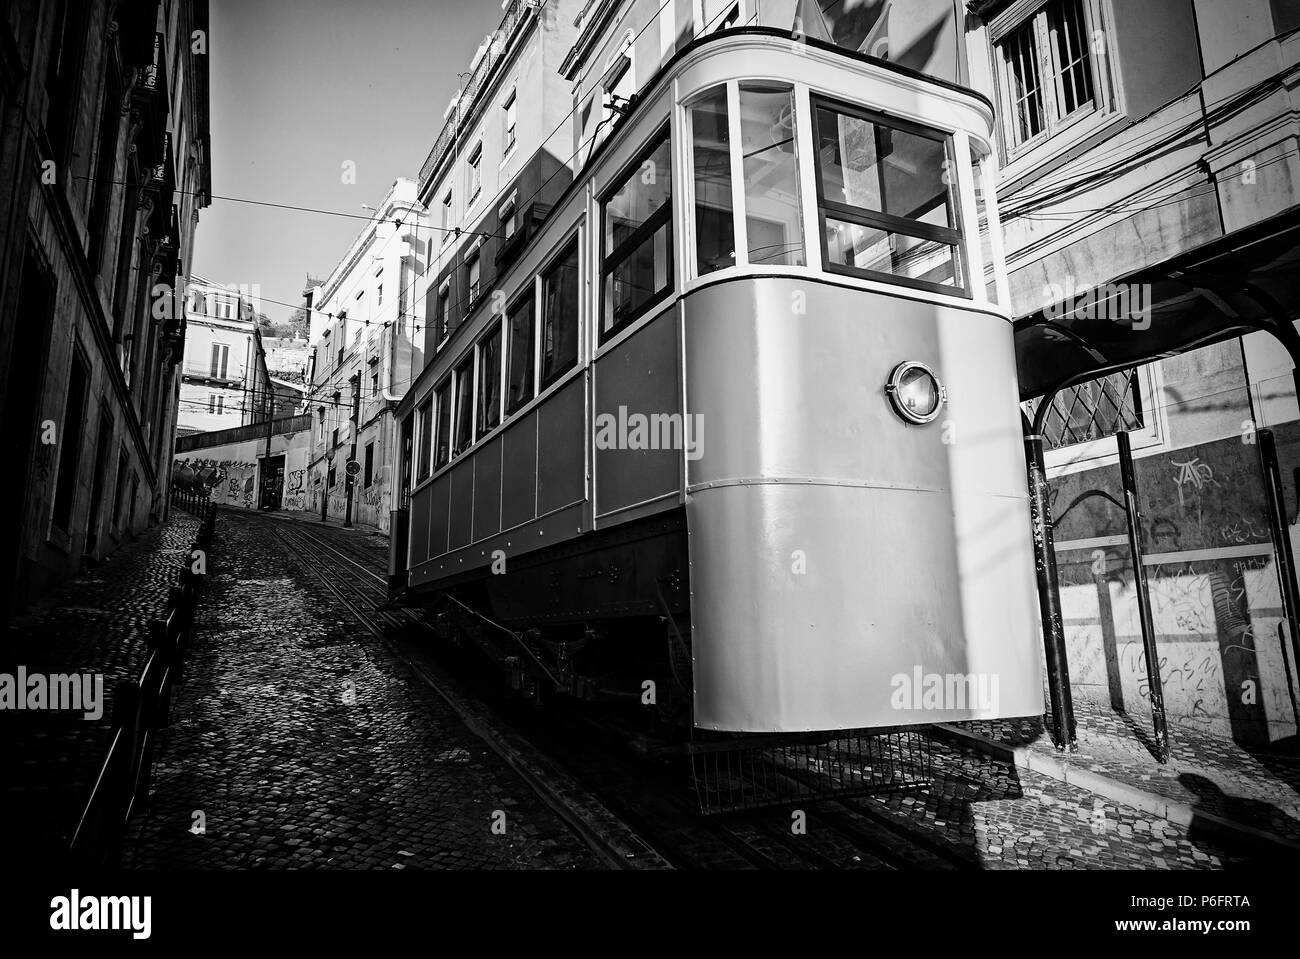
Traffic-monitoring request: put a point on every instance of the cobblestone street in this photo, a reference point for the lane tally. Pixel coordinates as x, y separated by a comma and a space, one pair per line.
301, 743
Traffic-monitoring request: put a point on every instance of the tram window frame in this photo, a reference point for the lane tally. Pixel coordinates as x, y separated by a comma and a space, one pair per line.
482, 427
442, 424
462, 428
570, 248
890, 223
645, 231
424, 439
525, 304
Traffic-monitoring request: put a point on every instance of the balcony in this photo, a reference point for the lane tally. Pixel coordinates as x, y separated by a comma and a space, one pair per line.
510, 23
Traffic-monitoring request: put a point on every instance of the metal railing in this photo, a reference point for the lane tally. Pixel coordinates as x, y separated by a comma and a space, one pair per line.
141, 706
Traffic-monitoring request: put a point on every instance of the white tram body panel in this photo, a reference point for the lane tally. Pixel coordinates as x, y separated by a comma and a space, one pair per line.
838, 566
836, 551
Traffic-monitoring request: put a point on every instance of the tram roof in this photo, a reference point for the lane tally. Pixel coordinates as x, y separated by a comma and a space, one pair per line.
1244, 281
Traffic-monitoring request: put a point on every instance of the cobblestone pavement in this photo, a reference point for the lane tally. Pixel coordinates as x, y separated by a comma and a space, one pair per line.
1011, 818
97, 622
1261, 789
298, 741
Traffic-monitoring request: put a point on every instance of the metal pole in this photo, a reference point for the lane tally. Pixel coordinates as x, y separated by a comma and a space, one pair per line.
1134, 517
1049, 599
1286, 570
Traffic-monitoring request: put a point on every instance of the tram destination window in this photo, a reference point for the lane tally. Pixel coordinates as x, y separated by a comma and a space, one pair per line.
886, 211
773, 224
442, 438
521, 347
560, 316
715, 240
464, 406
638, 255
489, 382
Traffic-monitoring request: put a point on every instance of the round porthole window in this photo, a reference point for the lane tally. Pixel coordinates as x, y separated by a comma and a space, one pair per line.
915, 392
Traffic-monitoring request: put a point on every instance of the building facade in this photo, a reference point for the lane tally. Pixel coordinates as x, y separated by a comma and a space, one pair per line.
1130, 136
225, 380
365, 330
104, 166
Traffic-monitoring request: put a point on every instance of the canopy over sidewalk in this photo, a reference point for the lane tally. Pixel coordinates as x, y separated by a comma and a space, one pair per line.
1246, 281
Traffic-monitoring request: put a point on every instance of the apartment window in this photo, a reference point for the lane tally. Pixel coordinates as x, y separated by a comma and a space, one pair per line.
331, 479
74, 414
216, 404
220, 360
379, 294
64, 74
508, 139
508, 219
721, 14
464, 406
334, 440
473, 271
374, 383
475, 172
560, 316
489, 382
773, 221
447, 225
638, 266
715, 241
886, 212
444, 311
442, 438
1046, 72
424, 420
619, 88
368, 473
521, 346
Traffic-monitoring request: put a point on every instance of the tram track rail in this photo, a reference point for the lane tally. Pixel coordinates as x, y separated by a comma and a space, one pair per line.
631, 814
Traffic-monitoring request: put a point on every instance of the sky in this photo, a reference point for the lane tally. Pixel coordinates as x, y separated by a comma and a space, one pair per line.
298, 88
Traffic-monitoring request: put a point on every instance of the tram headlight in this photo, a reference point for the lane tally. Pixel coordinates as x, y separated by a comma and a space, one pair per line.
915, 392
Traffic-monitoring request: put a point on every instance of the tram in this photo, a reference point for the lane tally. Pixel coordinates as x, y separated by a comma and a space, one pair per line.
743, 431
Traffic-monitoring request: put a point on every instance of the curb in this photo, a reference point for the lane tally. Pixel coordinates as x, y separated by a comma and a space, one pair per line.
1171, 809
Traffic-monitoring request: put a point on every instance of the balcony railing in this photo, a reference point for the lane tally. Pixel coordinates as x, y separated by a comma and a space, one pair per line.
515, 15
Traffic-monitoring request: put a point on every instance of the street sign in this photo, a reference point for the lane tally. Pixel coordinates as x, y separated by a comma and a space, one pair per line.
353, 468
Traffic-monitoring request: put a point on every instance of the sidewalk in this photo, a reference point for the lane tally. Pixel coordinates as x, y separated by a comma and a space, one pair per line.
1209, 783
95, 623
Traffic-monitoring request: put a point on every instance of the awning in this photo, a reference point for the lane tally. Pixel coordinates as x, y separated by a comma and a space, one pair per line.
1245, 281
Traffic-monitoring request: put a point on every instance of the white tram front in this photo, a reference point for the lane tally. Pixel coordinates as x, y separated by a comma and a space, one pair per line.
754, 379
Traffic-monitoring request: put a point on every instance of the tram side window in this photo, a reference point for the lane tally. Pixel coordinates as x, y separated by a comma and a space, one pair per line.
638, 257
887, 212
464, 406
442, 439
560, 316
521, 346
715, 241
773, 223
489, 381
425, 420
981, 170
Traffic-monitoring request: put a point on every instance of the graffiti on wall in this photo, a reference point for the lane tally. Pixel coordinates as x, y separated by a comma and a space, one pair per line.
295, 496
227, 482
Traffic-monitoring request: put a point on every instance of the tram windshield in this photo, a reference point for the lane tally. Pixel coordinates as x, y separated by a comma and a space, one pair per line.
887, 203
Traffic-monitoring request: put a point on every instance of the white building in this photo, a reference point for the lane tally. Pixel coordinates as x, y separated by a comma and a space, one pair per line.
364, 325
224, 378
